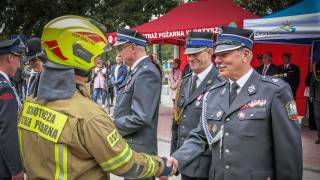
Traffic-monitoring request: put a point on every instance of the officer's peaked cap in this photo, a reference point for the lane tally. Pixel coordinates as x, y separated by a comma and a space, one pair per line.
12, 46
198, 41
33, 49
130, 36
231, 38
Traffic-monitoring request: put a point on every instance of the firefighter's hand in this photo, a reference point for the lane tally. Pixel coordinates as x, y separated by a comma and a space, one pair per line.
172, 162
170, 169
18, 176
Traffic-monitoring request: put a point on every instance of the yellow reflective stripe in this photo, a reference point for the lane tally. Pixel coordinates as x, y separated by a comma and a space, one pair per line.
118, 161
56, 158
61, 158
20, 139
151, 166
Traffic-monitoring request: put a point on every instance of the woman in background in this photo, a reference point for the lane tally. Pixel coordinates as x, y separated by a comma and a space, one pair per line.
174, 78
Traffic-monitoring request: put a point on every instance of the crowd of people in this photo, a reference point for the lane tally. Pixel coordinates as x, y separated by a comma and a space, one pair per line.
230, 121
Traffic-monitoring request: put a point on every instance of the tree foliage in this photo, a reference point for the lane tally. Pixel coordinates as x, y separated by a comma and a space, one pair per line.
29, 16
265, 7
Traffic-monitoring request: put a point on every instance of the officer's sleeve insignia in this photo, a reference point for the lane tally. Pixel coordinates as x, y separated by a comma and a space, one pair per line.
6, 96
292, 110
113, 138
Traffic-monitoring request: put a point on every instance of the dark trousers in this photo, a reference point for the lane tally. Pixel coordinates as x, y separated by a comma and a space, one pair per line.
184, 177
316, 111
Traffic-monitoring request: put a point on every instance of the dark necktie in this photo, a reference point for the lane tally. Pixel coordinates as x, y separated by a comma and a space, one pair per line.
233, 93
193, 84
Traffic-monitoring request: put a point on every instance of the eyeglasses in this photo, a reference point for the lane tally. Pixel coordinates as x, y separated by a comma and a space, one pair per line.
120, 48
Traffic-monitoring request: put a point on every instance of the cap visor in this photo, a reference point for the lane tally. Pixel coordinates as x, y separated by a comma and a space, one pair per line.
118, 43
194, 50
223, 48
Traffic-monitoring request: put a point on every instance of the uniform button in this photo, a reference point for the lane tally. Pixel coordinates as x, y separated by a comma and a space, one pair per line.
184, 116
268, 178
251, 115
227, 167
227, 151
228, 119
182, 127
226, 134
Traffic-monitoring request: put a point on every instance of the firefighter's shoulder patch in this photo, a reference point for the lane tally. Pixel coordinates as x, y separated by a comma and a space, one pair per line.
113, 138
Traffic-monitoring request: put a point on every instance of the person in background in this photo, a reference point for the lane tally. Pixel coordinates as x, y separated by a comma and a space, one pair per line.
118, 74
290, 73
309, 107
108, 85
315, 96
260, 59
175, 75
33, 59
18, 81
11, 167
100, 74
267, 68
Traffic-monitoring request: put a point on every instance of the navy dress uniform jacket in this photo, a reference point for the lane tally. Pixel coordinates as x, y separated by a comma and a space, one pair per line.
190, 105
258, 140
137, 107
10, 161
272, 70
292, 77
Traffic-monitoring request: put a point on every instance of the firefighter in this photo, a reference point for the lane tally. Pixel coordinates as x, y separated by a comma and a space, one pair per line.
63, 134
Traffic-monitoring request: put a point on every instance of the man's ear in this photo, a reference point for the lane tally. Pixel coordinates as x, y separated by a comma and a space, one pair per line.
9, 58
245, 55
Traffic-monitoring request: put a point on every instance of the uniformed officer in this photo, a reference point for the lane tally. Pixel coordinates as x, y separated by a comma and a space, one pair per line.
10, 161
315, 96
137, 105
33, 58
65, 135
249, 121
290, 73
199, 50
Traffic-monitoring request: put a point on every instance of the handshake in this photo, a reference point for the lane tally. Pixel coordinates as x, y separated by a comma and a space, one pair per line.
171, 168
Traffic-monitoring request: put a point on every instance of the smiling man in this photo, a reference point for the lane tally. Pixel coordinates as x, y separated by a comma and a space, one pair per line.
249, 121
199, 50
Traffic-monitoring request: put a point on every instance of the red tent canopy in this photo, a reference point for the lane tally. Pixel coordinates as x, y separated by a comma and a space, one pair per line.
204, 15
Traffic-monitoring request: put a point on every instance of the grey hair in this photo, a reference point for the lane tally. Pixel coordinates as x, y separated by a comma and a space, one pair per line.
250, 52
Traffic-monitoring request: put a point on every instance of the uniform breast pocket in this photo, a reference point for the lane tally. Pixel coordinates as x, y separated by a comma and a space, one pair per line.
214, 114
253, 123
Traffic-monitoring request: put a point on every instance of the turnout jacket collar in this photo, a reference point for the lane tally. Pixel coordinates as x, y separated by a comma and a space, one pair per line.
56, 84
